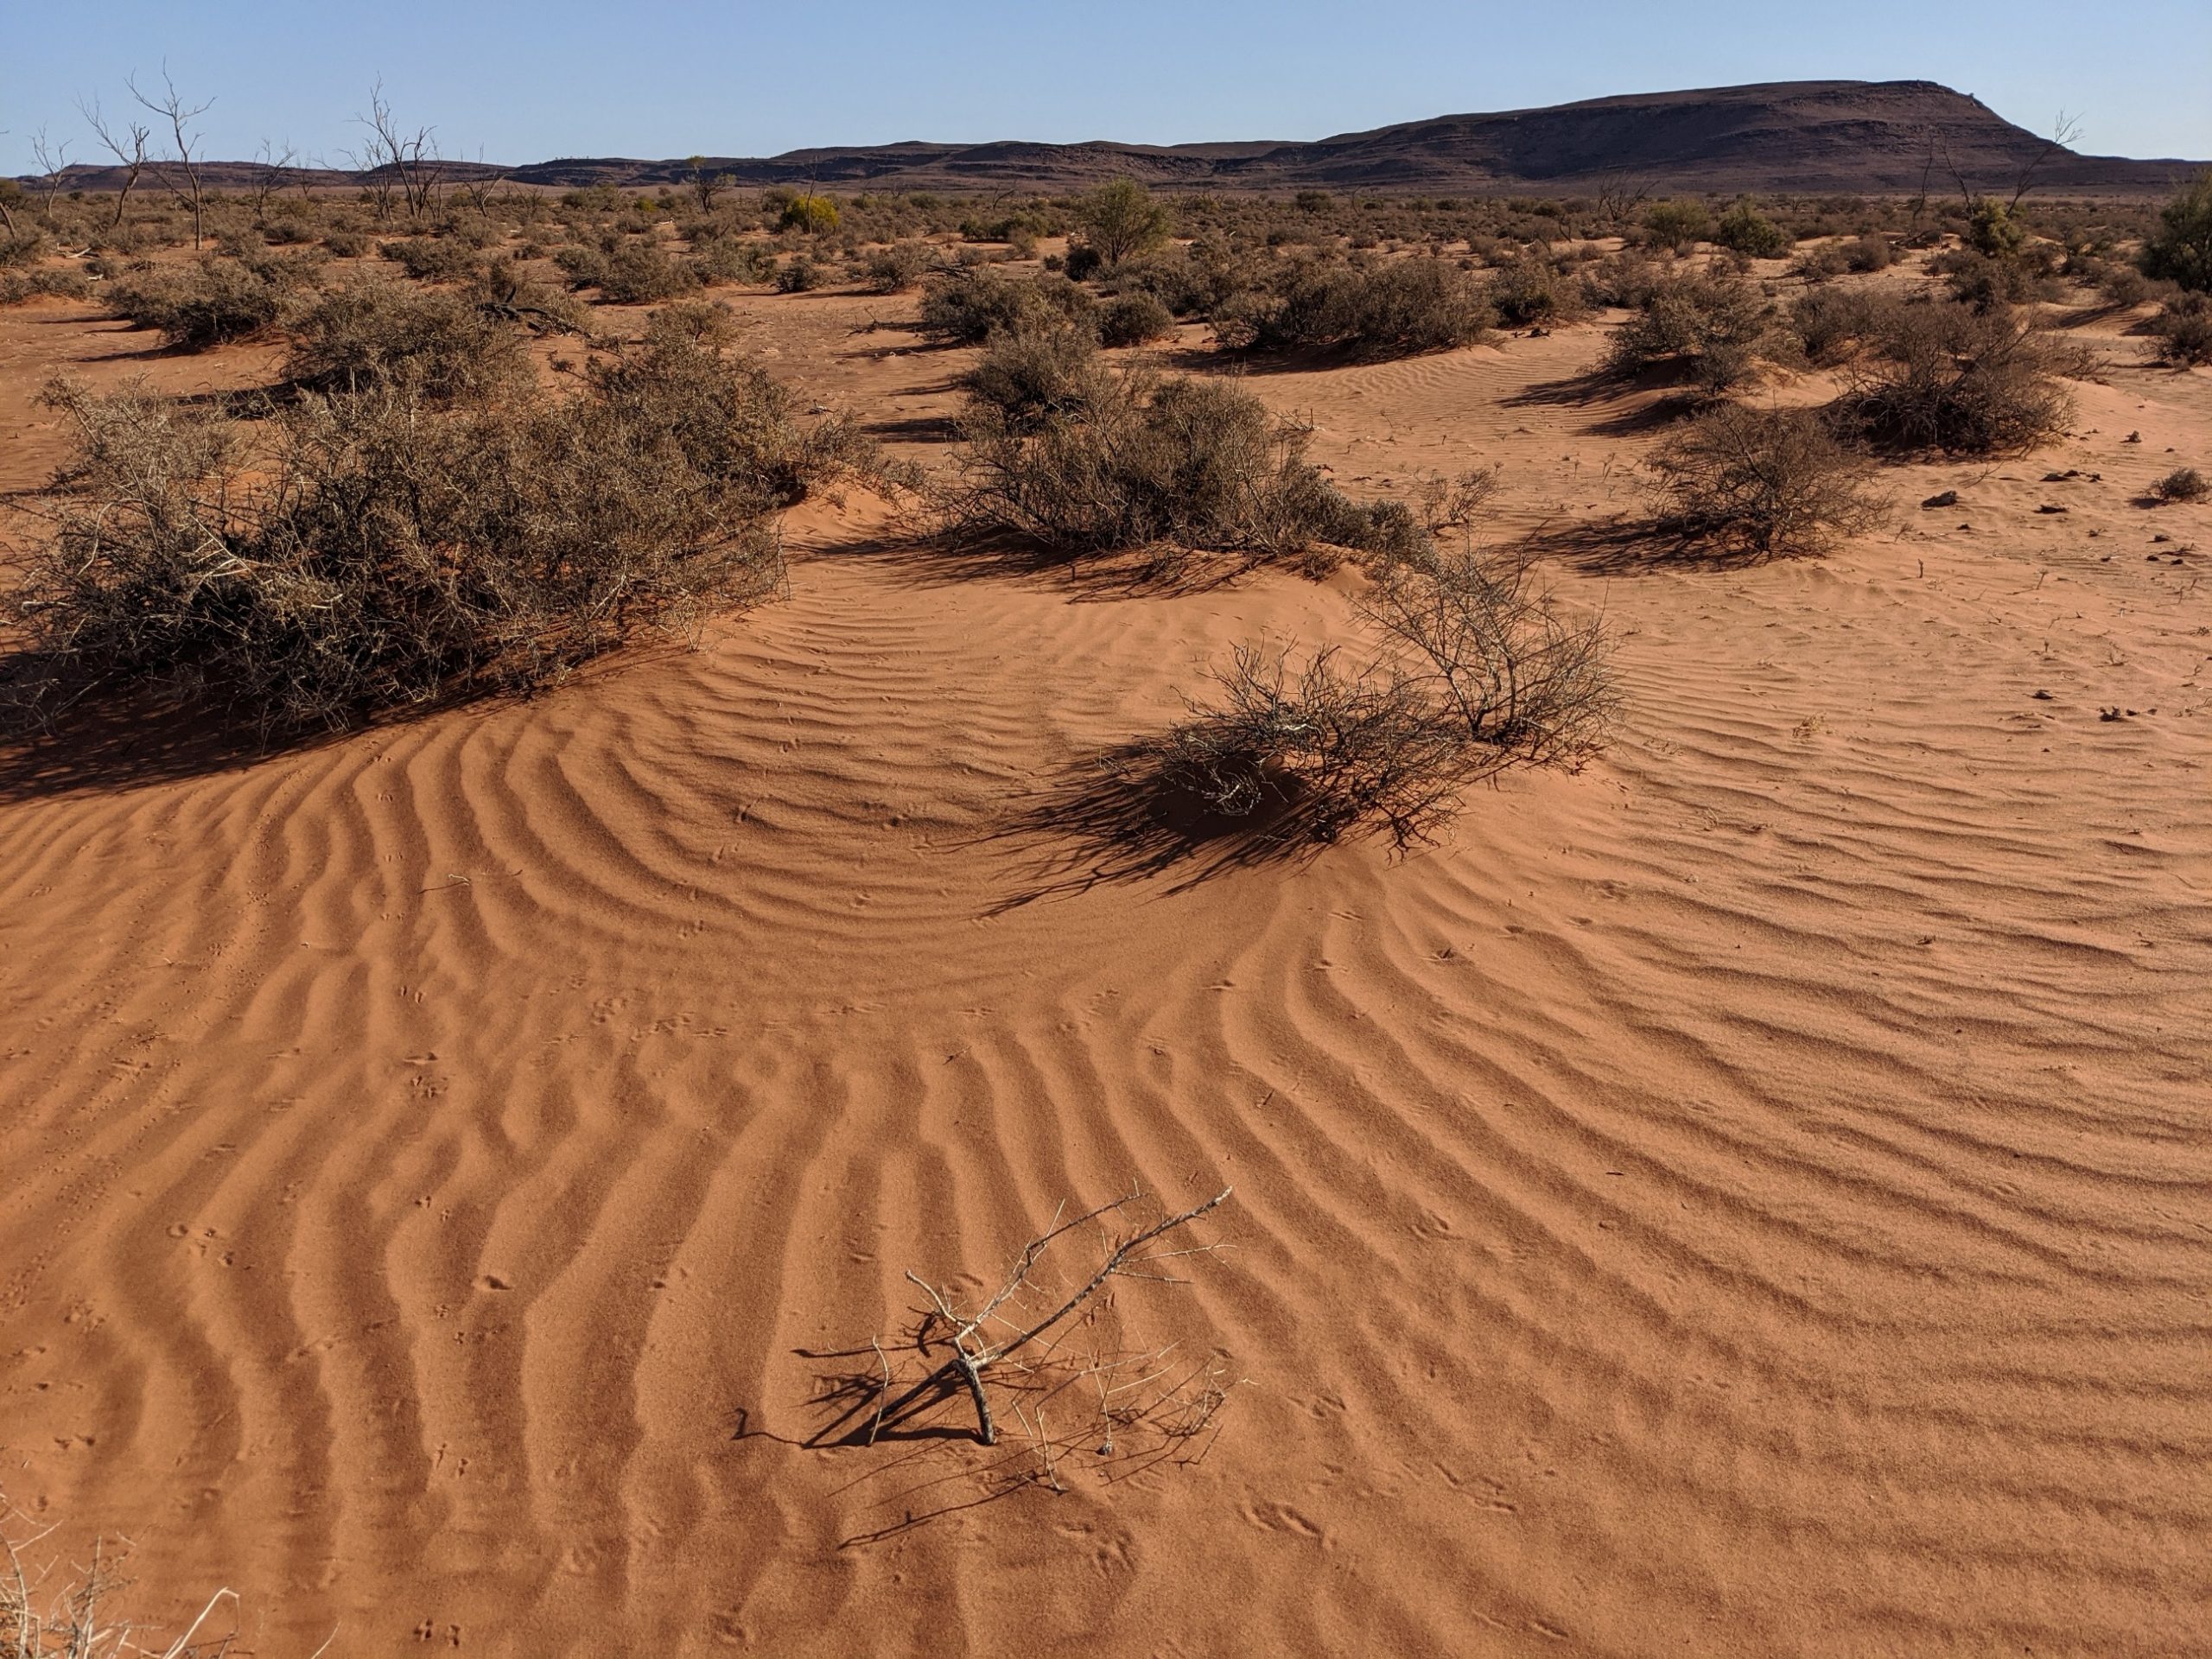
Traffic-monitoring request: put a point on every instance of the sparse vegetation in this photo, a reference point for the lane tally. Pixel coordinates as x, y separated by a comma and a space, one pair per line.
2180, 250
971, 306
1742, 229
2183, 328
201, 304
1950, 379
1397, 308
1705, 324
1764, 481
1474, 671
1176, 466
360, 552
2183, 484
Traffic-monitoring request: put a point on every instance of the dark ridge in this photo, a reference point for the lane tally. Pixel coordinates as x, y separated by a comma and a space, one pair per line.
1825, 136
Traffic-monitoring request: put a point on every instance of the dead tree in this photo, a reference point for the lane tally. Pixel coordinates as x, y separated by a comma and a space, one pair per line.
390, 156
127, 144
273, 172
52, 158
173, 108
993, 1335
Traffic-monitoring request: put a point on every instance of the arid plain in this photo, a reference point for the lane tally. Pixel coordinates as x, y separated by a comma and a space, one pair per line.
1748, 1196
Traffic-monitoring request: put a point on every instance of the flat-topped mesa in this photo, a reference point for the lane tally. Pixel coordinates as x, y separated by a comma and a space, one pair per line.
1873, 138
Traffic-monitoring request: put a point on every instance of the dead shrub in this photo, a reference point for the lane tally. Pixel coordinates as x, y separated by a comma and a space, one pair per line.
2183, 484
363, 552
371, 332
1764, 481
1944, 377
1475, 671
1176, 466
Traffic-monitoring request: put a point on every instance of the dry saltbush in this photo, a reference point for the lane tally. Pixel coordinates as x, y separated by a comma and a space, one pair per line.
1709, 325
373, 333
1396, 307
361, 552
1024, 377
1174, 465
1943, 376
1476, 672
205, 304
1764, 481
971, 306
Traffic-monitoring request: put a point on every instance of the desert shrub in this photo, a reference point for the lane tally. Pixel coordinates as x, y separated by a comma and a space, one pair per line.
1871, 252
1626, 279
1177, 465
1120, 218
1476, 672
1993, 229
1398, 307
1986, 282
971, 306
62, 283
358, 553
807, 212
628, 271
2183, 484
1944, 377
1830, 322
1681, 223
1704, 324
433, 258
1742, 229
22, 247
897, 268
2183, 328
1528, 290
800, 274
731, 259
371, 333
346, 244
1763, 481
1133, 319
199, 305
2180, 250
1027, 375
2123, 286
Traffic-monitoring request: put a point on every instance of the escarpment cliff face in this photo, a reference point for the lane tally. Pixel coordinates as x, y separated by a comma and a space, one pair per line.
1856, 136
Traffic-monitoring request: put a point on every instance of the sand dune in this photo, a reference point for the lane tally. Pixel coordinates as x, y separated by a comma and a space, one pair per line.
1752, 1196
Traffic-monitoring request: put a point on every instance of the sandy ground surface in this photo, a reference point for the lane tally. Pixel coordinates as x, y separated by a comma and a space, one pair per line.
1753, 1196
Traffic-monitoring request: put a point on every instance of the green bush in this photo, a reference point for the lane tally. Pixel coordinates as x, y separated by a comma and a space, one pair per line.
1121, 219
2180, 250
814, 214
1742, 229
1679, 224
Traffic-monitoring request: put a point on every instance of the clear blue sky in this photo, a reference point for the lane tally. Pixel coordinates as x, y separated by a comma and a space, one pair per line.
520, 82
